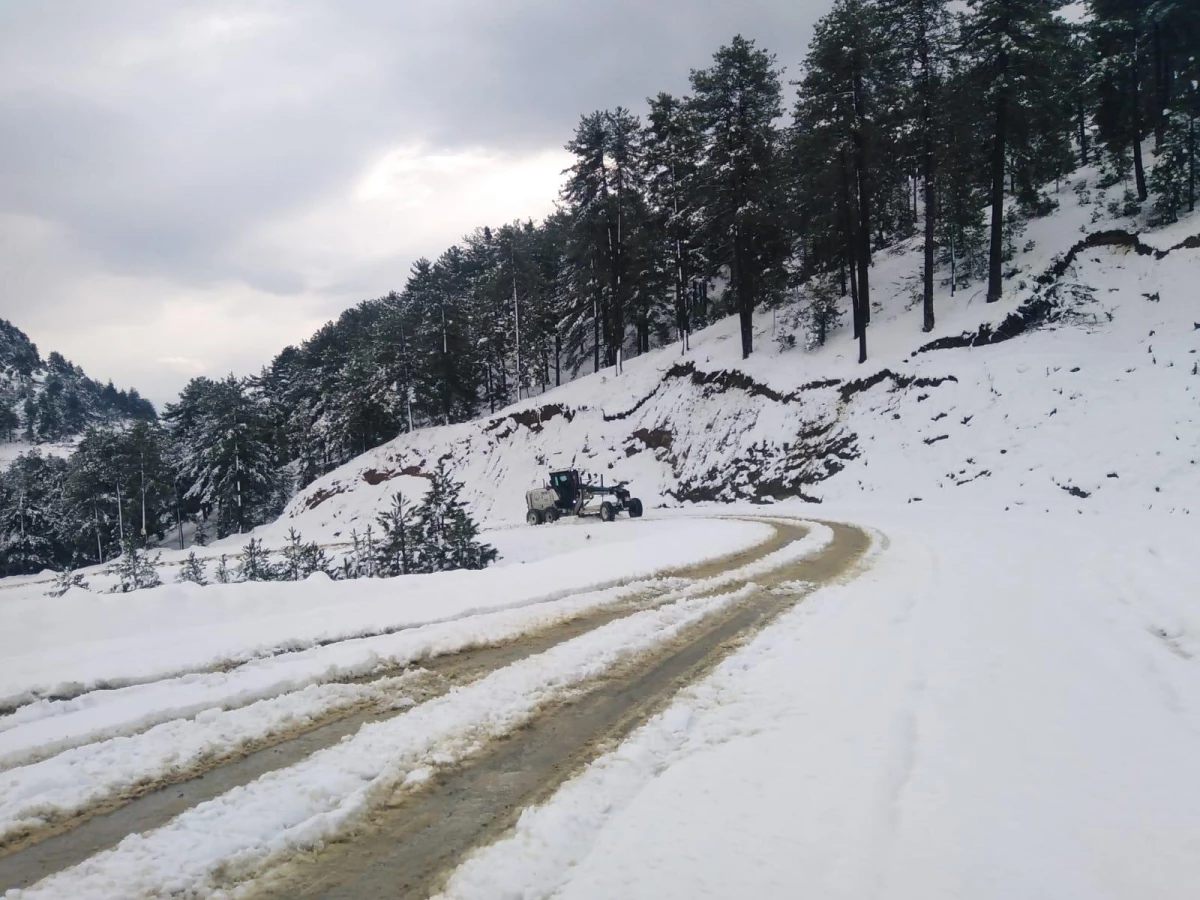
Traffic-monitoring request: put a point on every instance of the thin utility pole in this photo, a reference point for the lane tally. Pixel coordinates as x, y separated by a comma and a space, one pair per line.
516, 317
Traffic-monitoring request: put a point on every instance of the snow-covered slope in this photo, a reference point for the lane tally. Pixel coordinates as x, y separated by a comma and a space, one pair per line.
1094, 405
51, 402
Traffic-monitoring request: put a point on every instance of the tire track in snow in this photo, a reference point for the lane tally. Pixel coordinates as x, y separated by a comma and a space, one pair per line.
408, 846
66, 703
16, 707
54, 838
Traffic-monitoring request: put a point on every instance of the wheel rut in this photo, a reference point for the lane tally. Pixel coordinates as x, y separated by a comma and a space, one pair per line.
407, 848
27, 858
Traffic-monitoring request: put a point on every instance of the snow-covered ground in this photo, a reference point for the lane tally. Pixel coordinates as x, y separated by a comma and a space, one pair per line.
1004, 705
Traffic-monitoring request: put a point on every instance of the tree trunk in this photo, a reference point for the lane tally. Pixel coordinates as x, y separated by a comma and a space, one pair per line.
1139, 172
860, 326
681, 297
745, 292
864, 208
1160, 85
1191, 163
995, 285
596, 306
927, 164
1083, 144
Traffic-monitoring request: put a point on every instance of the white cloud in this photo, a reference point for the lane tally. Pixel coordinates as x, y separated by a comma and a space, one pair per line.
413, 201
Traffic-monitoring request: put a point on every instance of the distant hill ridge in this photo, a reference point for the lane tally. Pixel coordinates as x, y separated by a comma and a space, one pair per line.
52, 399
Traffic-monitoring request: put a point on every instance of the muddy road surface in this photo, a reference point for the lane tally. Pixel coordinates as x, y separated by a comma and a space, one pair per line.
409, 845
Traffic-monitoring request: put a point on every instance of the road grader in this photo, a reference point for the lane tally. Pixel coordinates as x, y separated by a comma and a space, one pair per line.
567, 494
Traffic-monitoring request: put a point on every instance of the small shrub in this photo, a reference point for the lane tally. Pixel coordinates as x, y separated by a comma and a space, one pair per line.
254, 563
135, 569
64, 581
192, 571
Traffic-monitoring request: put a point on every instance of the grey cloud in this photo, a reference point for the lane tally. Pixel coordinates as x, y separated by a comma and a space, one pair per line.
157, 137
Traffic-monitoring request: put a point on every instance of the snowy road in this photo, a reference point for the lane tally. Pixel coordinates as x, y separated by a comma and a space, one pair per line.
357, 734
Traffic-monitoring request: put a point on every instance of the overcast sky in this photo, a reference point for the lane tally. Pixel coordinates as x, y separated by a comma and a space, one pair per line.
187, 187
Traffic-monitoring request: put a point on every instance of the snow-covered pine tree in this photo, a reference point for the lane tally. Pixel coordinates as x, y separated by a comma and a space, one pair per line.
36, 531
444, 532
822, 311
362, 561
961, 190
587, 195
398, 542
1176, 30
64, 581
1120, 31
134, 569
444, 374
672, 146
465, 550
192, 570
551, 305
226, 452
254, 563
301, 559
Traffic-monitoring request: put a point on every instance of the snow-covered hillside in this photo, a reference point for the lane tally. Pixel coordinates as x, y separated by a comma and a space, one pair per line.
51, 401
1093, 406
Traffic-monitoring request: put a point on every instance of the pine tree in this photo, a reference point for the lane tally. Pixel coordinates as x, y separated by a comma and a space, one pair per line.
65, 581
1177, 34
36, 531
362, 561
134, 569
465, 551
918, 32
300, 560
672, 147
838, 141
821, 312
1013, 46
192, 570
254, 563
962, 193
222, 576
398, 545
443, 532
1121, 34
612, 245
224, 447
737, 101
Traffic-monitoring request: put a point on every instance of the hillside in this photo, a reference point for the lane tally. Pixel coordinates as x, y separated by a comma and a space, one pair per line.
1091, 405
52, 400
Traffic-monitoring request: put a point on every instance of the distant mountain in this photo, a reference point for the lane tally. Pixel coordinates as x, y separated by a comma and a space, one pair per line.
52, 399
